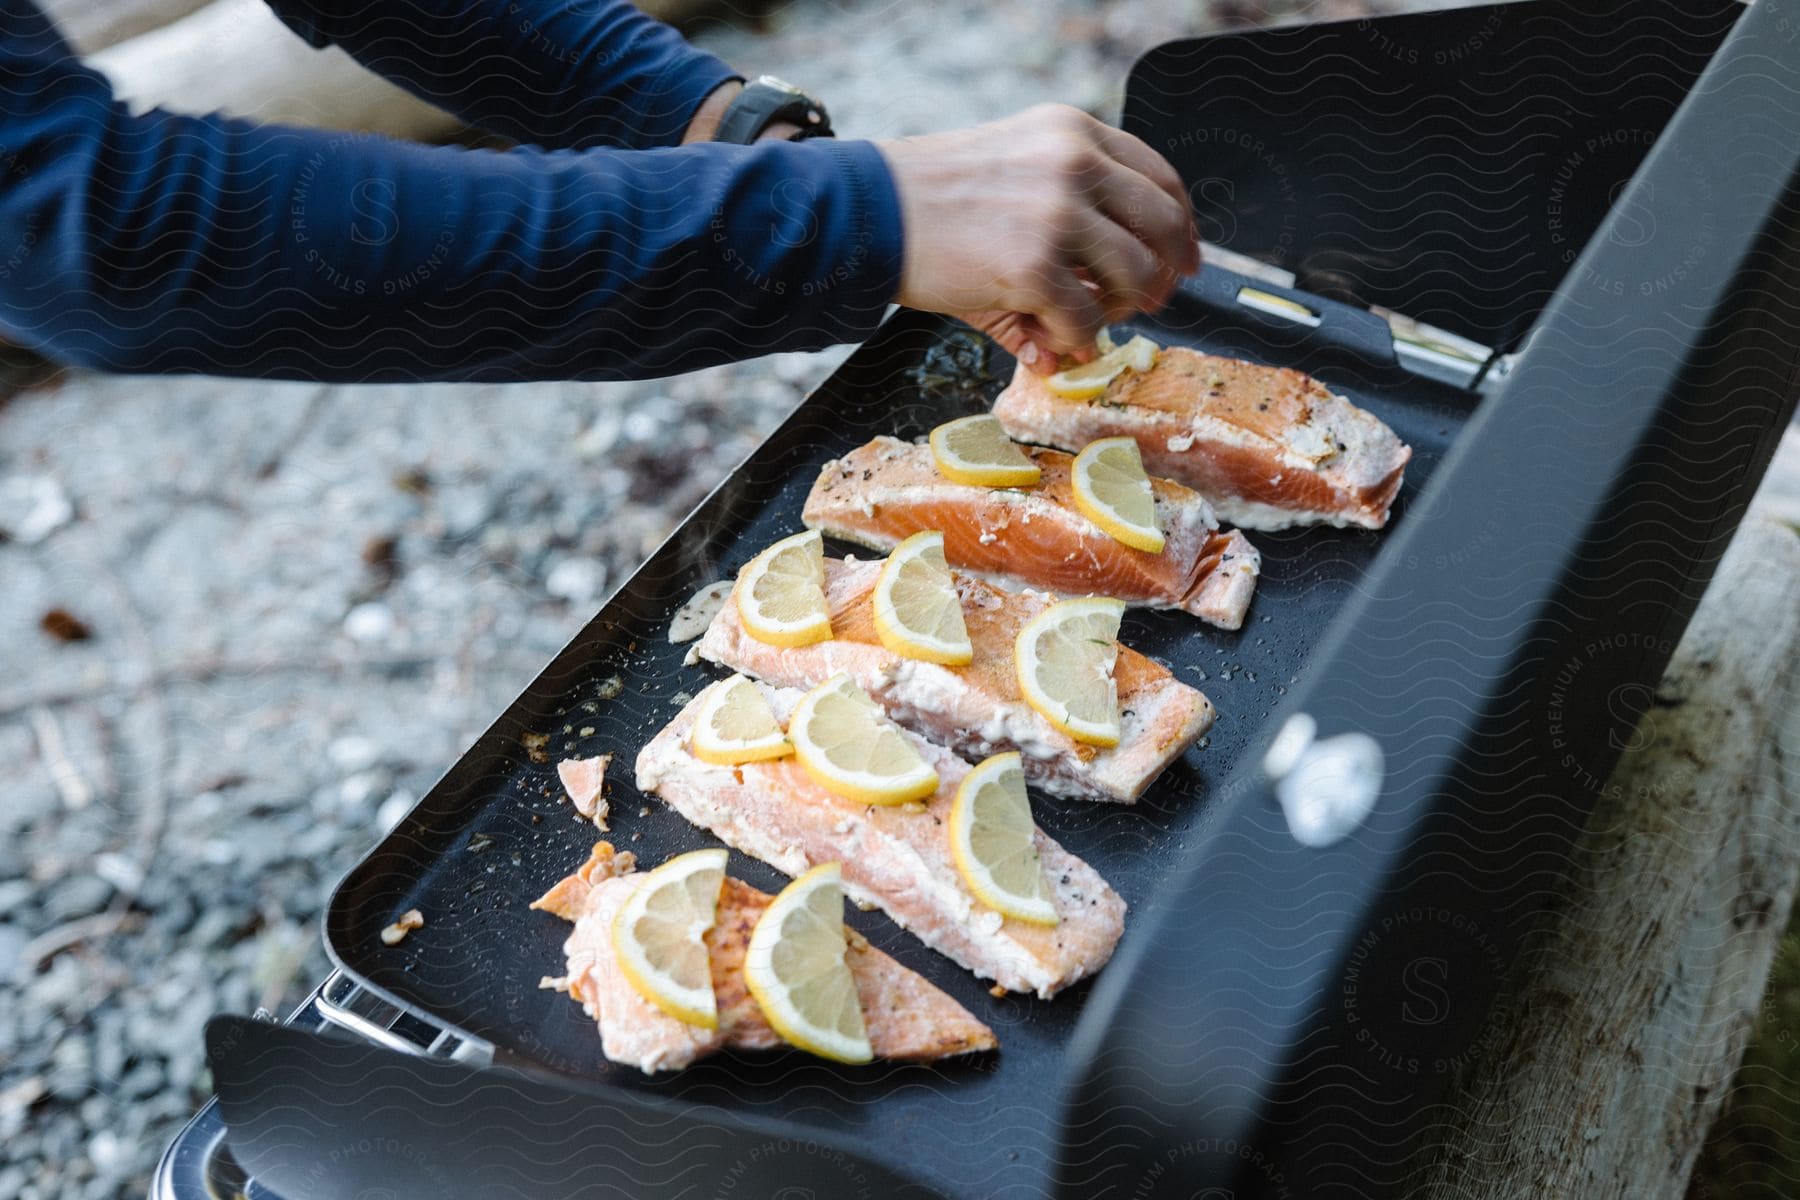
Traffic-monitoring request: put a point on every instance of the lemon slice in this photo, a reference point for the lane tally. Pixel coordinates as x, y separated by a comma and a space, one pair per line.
994, 842
1065, 658
734, 724
794, 967
1088, 381
976, 450
659, 934
1139, 354
917, 610
851, 749
781, 592
1112, 491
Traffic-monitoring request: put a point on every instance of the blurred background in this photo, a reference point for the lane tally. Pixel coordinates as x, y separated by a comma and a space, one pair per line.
244, 626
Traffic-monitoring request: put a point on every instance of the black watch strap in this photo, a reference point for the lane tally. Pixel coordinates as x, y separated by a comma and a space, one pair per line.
766, 100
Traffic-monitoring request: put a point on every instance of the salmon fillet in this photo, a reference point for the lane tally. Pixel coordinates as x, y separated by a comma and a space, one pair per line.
906, 1017
895, 858
978, 710
887, 490
1269, 447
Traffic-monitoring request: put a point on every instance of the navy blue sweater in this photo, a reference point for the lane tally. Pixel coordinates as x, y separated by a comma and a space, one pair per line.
600, 249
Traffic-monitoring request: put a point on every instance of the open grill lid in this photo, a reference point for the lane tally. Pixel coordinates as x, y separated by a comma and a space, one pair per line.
1550, 567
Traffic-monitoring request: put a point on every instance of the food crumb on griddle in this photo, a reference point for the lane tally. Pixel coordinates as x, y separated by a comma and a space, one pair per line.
997, 992
534, 744
396, 933
582, 779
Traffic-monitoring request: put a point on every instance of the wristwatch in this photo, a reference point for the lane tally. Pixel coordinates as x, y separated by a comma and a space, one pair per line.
766, 100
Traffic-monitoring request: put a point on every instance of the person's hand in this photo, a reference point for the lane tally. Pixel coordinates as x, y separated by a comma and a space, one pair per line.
1040, 229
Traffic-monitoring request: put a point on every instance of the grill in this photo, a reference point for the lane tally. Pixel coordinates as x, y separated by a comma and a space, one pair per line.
1457, 220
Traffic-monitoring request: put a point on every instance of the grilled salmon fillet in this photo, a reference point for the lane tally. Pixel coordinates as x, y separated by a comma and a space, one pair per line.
978, 710
888, 489
907, 1018
896, 858
1269, 447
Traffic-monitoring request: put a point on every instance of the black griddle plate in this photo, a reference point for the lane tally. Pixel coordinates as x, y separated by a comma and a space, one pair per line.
496, 831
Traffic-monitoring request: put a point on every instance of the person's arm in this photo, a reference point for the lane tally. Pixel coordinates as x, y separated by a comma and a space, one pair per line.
563, 74
172, 244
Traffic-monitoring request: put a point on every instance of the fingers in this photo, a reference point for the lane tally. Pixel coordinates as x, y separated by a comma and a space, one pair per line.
1070, 314
1020, 335
1128, 276
1145, 212
1143, 193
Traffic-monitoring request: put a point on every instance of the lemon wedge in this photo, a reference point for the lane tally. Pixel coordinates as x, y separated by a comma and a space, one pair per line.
781, 592
659, 934
994, 842
976, 450
1064, 657
1089, 381
734, 724
849, 747
917, 611
1112, 490
794, 967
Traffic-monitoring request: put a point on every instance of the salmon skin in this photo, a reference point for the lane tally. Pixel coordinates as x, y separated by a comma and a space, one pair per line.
896, 858
888, 489
1269, 447
906, 1017
978, 710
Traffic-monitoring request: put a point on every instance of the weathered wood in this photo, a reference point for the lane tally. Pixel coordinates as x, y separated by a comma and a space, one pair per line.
236, 57
1630, 1015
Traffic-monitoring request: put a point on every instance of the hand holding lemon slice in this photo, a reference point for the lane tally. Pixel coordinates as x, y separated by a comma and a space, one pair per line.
796, 971
1089, 381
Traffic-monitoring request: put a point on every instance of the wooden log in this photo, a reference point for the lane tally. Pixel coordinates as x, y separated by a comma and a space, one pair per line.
1630, 1014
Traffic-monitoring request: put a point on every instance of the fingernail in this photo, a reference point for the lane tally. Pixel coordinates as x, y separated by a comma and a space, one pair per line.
1028, 353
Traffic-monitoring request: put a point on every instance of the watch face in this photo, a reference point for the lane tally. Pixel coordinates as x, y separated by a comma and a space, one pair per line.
773, 81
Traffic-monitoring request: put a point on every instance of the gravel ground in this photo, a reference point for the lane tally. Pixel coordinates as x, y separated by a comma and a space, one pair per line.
243, 627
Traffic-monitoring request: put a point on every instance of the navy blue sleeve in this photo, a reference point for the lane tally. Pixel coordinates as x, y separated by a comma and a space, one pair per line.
572, 74
163, 243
